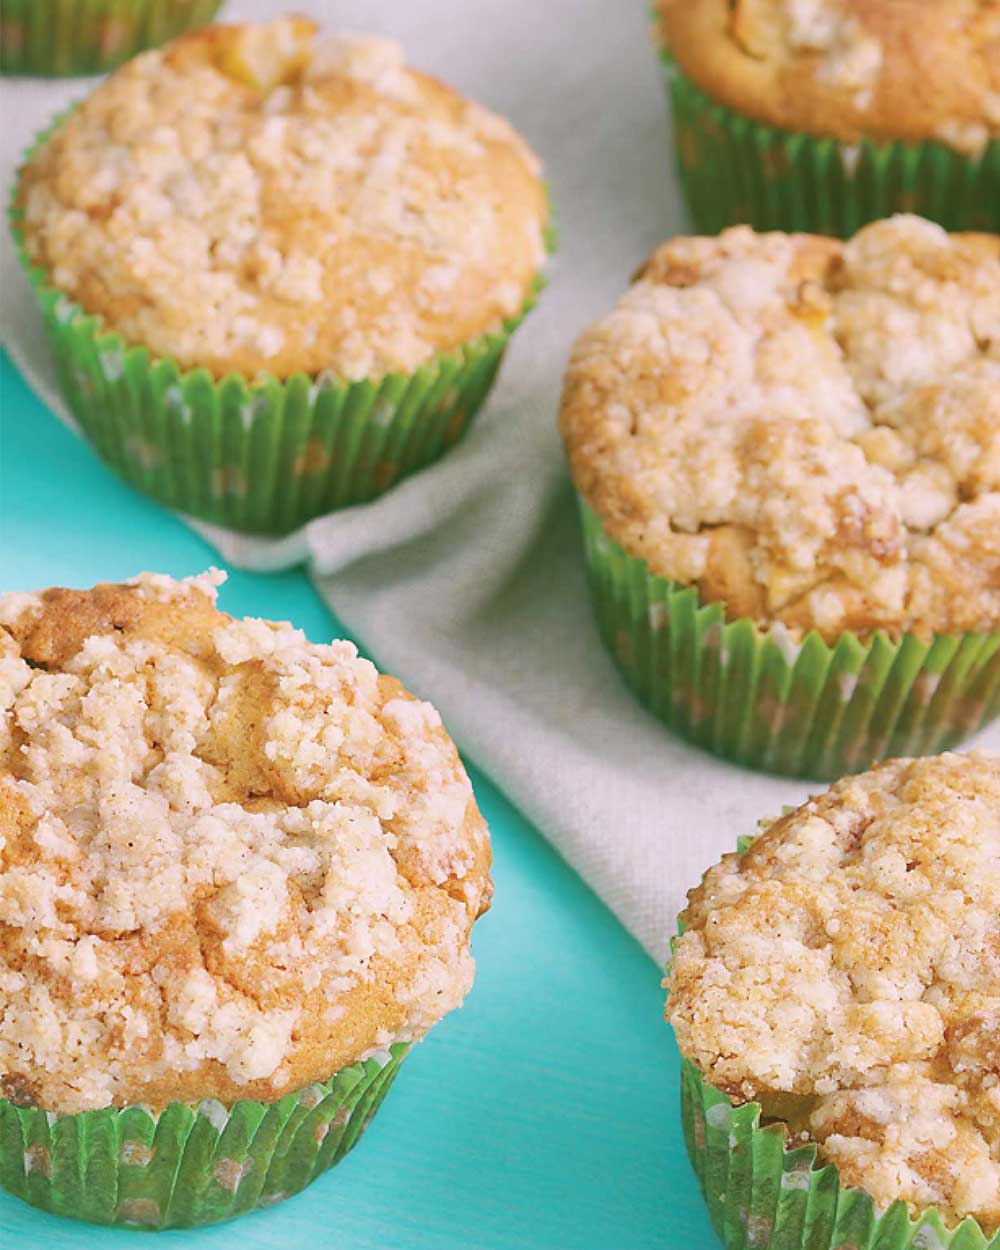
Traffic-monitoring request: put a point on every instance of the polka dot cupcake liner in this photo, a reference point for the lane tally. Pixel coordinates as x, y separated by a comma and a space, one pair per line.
735, 170
763, 1192
64, 37
189, 1165
762, 699
259, 455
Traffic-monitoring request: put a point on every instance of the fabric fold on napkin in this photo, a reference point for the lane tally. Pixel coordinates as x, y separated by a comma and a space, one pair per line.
467, 581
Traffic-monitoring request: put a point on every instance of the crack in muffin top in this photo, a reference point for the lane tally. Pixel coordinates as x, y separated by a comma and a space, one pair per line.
883, 69
845, 973
256, 198
807, 430
231, 861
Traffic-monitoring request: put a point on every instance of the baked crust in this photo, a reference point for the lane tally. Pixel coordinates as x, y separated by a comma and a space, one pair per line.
231, 861
257, 197
845, 973
850, 69
808, 431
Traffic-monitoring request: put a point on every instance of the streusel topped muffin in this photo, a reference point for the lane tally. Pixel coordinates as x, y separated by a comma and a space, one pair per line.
850, 69
233, 861
807, 431
844, 973
257, 197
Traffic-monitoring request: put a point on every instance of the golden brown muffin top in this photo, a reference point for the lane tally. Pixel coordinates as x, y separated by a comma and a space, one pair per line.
257, 197
845, 973
850, 69
231, 861
808, 431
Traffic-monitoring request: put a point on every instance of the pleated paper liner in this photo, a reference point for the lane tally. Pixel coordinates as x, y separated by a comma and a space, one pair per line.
762, 700
64, 37
264, 455
736, 170
764, 1194
189, 1165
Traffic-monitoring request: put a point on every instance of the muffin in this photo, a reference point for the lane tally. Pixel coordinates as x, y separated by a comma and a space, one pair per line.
823, 115
238, 872
836, 999
278, 271
55, 37
787, 451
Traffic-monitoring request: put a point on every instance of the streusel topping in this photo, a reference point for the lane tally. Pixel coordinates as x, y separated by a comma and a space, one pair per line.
881, 69
809, 431
231, 861
845, 973
259, 198
847, 54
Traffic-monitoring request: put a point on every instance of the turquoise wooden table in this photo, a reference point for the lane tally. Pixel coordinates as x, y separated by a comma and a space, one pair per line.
543, 1115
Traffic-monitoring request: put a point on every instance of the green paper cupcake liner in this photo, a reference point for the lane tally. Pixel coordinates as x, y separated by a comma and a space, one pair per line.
260, 455
755, 696
189, 1165
736, 170
764, 1193
63, 37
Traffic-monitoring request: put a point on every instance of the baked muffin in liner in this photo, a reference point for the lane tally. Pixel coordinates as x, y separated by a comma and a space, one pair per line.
825, 117
265, 443
66, 37
767, 1187
748, 455
238, 874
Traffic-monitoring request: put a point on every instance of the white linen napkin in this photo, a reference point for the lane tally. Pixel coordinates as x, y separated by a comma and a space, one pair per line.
467, 580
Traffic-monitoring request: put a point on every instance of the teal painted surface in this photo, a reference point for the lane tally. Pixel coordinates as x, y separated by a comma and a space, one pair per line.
543, 1115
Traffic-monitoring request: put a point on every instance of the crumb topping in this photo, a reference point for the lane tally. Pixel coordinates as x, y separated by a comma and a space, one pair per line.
258, 197
848, 57
807, 430
231, 861
845, 973
886, 69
